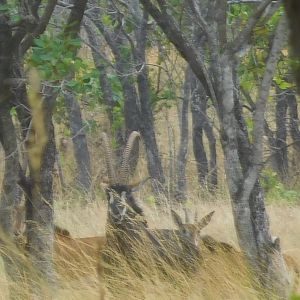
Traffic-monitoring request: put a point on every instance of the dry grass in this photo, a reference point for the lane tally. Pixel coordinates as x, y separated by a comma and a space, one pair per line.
221, 276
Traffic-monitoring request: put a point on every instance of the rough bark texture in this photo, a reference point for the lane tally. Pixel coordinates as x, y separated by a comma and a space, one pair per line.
81, 151
8, 197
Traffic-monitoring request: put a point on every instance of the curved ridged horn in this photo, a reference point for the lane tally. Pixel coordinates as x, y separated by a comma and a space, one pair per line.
108, 159
126, 155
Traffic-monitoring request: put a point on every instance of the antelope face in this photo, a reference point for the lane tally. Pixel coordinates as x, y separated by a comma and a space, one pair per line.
191, 232
122, 207
117, 205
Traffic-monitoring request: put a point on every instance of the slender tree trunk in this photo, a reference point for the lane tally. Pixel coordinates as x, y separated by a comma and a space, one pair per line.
207, 169
147, 123
106, 89
80, 146
281, 154
184, 138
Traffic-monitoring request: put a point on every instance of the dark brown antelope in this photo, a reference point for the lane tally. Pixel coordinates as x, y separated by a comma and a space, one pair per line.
127, 226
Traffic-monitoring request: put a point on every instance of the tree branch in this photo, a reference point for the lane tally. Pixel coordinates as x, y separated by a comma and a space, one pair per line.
188, 52
41, 27
244, 36
258, 118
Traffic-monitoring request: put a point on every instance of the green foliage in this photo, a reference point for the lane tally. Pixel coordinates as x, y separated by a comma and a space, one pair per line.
53, 56
295, 297
275, 190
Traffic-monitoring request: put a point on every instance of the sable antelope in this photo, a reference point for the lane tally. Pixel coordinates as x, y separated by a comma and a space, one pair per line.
127, 228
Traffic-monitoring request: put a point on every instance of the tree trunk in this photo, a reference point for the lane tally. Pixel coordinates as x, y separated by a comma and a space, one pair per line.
147, 123
281, 151
206, 169
106, 89
12, 263
184, 138
294, 120
80, 146
39, 207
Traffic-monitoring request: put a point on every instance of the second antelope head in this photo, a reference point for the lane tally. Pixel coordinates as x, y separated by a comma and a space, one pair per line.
188, 231
123, 209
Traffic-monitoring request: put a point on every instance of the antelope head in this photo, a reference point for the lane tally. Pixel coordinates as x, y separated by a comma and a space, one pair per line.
191, 231
122, 207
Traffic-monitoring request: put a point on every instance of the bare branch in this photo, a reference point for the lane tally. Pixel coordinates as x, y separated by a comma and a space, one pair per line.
258, 118
188, 52
44, 20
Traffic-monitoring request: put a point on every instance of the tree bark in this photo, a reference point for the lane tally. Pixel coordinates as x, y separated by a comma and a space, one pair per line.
81, 151
281, 149
9, 193
184, 138
100, 62
147, 122
294, 120
206, 169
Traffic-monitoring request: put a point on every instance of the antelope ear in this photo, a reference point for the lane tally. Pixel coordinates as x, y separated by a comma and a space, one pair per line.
176, 218
205, 220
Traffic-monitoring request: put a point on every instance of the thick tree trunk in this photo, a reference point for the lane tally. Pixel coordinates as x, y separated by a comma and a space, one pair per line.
39, 207
13, 265
81, 152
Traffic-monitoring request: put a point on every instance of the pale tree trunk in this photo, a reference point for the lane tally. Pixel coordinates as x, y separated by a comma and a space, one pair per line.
251, 221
